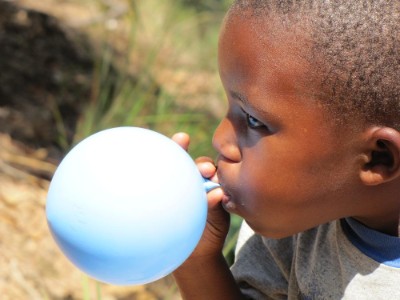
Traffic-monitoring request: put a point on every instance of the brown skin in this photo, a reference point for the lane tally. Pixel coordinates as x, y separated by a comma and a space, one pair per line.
281, 165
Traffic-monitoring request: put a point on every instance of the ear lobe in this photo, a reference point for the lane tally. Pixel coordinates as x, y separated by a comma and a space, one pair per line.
383, 152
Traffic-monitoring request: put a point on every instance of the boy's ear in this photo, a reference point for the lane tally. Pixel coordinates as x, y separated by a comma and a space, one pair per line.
382, 162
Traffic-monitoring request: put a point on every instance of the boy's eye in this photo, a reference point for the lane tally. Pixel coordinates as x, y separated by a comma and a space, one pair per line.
253, 122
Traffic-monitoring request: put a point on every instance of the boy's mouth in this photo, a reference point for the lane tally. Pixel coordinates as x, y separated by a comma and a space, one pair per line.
227, 203
227, 200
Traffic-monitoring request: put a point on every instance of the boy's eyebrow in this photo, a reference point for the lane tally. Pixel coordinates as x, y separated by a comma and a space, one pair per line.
245, 101
266, 115
239, 97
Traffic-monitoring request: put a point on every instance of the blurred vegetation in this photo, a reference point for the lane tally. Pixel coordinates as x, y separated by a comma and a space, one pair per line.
156, 67
158, 70
207, 5
71, 68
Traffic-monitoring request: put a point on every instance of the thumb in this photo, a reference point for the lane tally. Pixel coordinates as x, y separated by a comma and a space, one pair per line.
182, 139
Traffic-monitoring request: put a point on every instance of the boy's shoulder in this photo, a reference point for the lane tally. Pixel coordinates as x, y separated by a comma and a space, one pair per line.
321, 263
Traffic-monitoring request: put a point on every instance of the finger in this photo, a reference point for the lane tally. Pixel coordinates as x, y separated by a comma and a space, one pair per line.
214, 178
182, 139
206, 167
214, 197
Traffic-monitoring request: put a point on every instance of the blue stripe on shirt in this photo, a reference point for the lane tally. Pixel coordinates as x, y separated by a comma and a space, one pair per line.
380, 247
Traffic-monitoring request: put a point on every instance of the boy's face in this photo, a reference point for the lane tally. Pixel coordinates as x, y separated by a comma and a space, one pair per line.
282, 166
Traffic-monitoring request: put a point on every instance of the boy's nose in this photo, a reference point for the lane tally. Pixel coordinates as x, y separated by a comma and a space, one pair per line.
225, 141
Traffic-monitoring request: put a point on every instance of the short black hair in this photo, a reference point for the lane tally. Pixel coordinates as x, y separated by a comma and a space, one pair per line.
359, 43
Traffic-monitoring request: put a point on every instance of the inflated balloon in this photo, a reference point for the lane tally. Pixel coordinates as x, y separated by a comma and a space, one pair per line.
127, 206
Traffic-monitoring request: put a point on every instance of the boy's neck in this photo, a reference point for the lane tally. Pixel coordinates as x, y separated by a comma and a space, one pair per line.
379, 207
384, 225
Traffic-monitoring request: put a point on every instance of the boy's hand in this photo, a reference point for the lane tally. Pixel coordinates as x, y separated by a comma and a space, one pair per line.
205, 274
212, 240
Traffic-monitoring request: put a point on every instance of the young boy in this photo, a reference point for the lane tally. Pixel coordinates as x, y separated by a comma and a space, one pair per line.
309, 154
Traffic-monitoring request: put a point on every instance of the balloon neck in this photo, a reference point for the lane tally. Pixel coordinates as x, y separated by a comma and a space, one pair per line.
209, 185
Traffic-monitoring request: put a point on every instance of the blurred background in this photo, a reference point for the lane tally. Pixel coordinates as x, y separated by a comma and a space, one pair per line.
69, 68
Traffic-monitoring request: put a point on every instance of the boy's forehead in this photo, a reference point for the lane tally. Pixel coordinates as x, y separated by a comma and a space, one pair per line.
352, 50
268, 31
264, 58
265, 42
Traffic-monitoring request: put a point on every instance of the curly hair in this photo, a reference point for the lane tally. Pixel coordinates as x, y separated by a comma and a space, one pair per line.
358, 43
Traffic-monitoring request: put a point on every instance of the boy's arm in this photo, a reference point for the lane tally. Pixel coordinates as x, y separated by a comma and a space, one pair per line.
205, 274
207, 278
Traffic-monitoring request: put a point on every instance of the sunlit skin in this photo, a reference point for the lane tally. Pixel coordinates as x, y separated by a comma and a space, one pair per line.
283, 165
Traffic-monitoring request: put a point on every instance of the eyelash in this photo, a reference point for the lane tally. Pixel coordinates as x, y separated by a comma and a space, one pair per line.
253, 123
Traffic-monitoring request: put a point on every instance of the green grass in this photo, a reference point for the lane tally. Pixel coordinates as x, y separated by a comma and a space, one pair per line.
174, 36
126, 89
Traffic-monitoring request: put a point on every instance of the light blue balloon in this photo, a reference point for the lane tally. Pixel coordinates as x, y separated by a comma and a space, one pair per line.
127, 206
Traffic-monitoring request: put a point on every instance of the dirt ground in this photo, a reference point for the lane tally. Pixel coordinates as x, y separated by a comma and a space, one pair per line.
41, 59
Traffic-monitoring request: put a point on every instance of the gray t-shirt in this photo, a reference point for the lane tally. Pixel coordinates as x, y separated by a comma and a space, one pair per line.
332, 261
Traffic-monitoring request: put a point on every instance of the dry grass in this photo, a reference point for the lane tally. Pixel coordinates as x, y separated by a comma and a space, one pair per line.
31, 265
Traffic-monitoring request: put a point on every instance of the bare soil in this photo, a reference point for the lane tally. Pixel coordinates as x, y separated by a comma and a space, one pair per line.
46, 67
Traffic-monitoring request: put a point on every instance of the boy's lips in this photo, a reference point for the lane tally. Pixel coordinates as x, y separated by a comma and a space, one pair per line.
227, 201
225, 198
